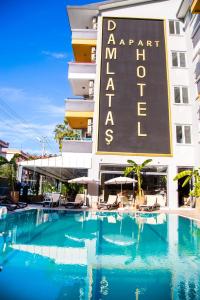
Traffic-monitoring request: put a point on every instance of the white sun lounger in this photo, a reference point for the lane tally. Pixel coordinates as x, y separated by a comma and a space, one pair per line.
78, 202
51, 199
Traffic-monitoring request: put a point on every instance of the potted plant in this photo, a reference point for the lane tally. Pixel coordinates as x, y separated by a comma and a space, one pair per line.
48, 187
189, 174
63, 131
137, 169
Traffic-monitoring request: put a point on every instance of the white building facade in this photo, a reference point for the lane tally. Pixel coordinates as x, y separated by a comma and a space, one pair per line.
85, 76
189, 13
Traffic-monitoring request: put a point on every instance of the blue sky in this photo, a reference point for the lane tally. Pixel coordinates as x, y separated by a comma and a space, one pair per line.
34, 50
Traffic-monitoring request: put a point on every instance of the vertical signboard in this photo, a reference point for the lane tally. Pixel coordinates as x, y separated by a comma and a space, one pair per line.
133, 99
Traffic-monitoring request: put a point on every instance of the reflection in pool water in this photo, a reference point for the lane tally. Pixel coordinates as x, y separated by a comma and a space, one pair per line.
90, 255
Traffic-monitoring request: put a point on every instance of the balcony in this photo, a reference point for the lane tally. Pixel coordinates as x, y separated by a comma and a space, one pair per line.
78, 112
84, 43
80, 75
77, 146
195, 7
80, 17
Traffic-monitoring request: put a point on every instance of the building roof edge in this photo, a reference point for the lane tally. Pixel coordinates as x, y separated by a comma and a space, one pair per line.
111, 4
4, 144
183, 8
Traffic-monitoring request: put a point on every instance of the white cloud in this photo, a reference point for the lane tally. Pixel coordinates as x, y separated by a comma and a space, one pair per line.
17, 134
52, 109
25, 130
33, 152
57, 55
40, 104
11, 94
23, 117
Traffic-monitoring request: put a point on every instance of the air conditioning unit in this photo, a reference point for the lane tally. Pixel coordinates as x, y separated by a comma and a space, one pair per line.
91, 88
89, 126
93, 50
91, 92
93, 57
94, 23
91, 83
93, 54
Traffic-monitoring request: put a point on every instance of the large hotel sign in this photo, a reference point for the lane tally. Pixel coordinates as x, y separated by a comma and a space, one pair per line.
134, 113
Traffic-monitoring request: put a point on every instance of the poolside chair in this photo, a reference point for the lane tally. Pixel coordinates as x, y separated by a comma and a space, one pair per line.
111, 203
78, 202
51, 199
161, 200
3, 211
9, 207
7, 201
123, 200
151, 204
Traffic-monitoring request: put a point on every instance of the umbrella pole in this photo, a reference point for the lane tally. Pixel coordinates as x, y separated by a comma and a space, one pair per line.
85, 195
121, 189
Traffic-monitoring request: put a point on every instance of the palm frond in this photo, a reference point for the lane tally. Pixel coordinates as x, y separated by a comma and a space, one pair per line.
186, 181
183, 174
128, 170
146, 162
132, 162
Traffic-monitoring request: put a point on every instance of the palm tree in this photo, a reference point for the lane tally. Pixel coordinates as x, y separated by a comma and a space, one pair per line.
59, 131
189, 174
137, 169
62, 131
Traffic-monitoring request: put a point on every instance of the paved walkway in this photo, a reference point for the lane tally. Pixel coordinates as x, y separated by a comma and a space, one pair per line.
190, 213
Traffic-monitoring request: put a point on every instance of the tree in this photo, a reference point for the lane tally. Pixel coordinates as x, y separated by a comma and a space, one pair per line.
71, 189
137, 169
62, 131
8, 169
189, 174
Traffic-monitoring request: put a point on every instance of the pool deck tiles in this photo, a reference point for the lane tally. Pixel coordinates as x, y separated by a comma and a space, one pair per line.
190, 213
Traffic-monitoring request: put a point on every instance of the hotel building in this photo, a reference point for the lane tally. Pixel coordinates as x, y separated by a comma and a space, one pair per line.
136, 71
136, 79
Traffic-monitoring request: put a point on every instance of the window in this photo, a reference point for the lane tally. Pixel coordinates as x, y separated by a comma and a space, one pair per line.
187, 19
198, 86
181, 95
196, 33
183, 134
174, 27
178, 59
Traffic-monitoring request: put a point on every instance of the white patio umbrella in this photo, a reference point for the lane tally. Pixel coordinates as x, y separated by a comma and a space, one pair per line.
84, 180
120, 180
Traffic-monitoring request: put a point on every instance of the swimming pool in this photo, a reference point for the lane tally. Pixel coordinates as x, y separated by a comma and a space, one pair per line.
95, 255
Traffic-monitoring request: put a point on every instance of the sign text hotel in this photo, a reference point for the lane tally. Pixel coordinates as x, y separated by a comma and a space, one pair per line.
133, 102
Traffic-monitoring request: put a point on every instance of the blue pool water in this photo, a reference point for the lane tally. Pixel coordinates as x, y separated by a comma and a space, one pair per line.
86, 255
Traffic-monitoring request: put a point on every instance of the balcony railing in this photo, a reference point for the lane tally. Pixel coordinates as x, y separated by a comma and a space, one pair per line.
84, 34
79, 105
88, 69
77, 146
